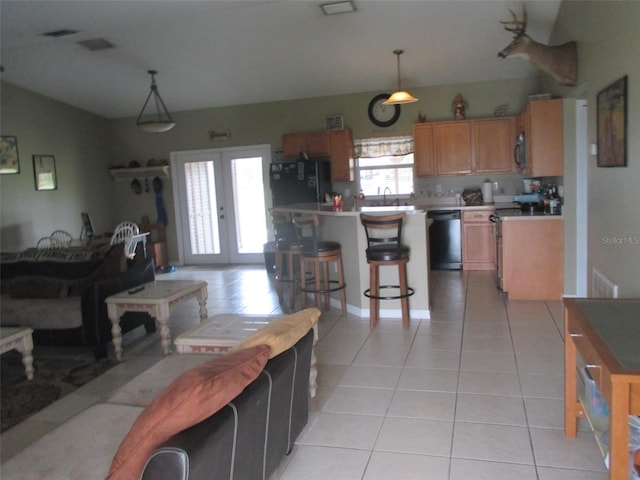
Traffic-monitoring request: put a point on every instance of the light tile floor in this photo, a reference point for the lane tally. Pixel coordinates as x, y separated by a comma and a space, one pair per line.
476, 391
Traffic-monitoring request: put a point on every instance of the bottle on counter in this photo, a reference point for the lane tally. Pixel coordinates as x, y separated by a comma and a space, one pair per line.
361, 195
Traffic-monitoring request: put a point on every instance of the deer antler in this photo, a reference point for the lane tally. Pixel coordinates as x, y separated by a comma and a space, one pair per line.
519, 27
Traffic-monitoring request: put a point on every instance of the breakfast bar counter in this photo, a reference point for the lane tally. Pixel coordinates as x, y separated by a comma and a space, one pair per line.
343, 225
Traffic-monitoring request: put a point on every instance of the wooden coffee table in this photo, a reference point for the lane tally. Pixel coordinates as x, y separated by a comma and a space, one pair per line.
157, 299
221, 333
20, 339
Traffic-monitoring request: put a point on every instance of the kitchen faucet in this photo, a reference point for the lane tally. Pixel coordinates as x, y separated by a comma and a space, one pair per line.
384, 195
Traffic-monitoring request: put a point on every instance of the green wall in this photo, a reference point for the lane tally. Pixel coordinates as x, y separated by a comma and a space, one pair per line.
79, 142
265, 123
85, 145
607, 50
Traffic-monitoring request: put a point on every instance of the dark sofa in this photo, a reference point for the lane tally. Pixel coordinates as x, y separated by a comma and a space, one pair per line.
64, 301
248, 438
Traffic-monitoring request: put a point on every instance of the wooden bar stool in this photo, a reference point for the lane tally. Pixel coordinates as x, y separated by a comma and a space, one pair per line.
384, 248
318, 254
287, 251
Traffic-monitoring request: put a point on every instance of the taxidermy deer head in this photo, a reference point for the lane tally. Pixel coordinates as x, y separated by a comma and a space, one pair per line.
559, 61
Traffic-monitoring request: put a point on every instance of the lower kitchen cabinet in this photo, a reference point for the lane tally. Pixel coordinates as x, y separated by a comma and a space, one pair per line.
478, 240
532, 257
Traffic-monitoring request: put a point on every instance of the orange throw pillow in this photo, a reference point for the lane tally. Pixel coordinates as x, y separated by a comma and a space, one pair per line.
189, 399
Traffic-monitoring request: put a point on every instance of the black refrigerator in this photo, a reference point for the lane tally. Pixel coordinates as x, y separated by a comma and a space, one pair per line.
300, 181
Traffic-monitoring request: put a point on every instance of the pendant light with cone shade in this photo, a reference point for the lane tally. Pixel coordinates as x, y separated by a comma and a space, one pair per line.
399, 96
162, 122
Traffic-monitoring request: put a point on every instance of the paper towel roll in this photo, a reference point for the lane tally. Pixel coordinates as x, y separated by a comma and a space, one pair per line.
487, 192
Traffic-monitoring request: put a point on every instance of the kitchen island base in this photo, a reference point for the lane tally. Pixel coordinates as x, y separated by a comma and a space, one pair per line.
344, 227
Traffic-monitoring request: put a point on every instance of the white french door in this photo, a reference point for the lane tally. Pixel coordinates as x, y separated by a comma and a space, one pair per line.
220, 204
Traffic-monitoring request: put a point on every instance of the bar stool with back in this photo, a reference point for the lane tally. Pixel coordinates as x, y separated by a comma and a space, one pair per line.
384, 248
319, 254
287, 251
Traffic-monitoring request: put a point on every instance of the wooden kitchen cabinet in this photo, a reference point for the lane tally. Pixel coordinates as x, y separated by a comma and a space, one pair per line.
342, 155
494, 142
532, 257
423, 156
542, 122
314, 143
293, 144
478, 240
453, 147
464, 147
336, 144
604, 332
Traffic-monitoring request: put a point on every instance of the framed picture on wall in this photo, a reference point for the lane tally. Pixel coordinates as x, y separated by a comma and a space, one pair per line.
9, 161
612, 124
44, 172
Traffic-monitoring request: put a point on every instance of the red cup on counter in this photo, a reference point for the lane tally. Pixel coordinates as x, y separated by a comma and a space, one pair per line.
337, 202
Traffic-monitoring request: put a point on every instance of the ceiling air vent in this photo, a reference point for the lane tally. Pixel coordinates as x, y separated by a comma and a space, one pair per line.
96, 44
63, 32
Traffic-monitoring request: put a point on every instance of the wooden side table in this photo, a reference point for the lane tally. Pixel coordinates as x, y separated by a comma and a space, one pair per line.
157, 299
606, 334
20, 339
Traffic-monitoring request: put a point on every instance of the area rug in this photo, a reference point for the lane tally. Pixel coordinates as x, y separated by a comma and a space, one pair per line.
58, 372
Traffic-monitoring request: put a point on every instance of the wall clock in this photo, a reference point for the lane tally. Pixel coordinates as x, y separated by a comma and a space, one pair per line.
380, 114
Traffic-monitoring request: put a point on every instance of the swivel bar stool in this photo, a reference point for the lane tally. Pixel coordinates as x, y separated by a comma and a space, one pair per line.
384, 248
287, 250
319, 254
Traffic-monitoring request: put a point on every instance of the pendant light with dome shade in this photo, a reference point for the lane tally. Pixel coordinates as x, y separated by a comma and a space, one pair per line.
399, 96
162, 121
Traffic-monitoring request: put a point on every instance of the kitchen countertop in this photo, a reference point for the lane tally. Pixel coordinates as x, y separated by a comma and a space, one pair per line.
350, 210
517, 214
507, 211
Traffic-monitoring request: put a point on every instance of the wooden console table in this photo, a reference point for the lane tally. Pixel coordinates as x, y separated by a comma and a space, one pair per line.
606, 334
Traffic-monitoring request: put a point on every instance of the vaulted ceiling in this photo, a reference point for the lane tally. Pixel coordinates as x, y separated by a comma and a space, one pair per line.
228, 52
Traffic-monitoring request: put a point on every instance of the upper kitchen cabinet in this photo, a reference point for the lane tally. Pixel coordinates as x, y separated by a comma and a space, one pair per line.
464, 147
315, 143
423, 162
342, 155
542, 124
493, 145
453, 147
337, 144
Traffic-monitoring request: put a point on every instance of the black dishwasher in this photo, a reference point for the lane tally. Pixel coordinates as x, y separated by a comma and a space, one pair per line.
445, 240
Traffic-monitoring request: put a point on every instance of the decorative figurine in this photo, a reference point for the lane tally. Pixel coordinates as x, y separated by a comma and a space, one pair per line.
458, 107
421, 117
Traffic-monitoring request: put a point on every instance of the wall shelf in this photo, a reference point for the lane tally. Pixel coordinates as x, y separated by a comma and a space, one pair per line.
124, 174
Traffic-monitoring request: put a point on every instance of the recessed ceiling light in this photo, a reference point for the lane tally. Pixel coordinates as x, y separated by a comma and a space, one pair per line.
63, 32
96, 44
338, 7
